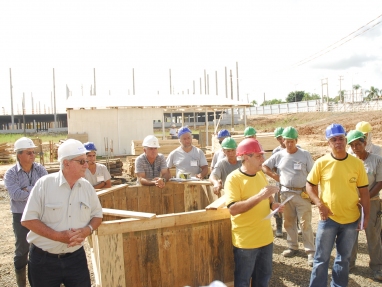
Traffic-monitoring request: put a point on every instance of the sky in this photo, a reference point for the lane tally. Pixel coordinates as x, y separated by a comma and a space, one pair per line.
271, 41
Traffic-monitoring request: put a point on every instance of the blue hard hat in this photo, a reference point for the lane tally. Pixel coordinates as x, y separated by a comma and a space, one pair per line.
90, 146
183, 130
334, 130
223, 134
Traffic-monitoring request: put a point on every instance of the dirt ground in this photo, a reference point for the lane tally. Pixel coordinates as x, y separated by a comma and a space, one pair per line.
288, 272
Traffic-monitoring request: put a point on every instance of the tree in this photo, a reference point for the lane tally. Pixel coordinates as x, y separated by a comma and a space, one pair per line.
341, 95
309, 97
254, 103
356, 88
296, 96
373, 93
272, 102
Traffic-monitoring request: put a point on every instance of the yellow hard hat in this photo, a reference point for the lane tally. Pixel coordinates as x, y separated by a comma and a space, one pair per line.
364, 127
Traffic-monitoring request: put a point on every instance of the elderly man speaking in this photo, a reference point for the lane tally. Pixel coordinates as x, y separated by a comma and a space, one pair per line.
61, 212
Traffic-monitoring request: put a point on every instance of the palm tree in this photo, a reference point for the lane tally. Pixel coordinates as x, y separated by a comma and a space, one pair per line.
372, 93
341, 94
356, 88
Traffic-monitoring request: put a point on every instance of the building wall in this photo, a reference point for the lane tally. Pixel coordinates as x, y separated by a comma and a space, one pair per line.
118, 125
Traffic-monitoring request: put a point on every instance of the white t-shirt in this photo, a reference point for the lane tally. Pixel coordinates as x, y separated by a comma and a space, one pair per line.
187, 161
101, 174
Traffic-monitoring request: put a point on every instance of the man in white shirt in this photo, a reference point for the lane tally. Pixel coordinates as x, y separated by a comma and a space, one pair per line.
61, 212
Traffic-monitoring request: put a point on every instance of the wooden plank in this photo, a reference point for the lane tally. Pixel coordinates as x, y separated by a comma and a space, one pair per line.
168, 253
144, 199
201, 255
226, 245
112, 267
150, 272
178, 198
127, 213
191, 197
133, 260
185, 262
162, 221
167, 199
132, 198
119, 198
219, 203
216, 235
111, 189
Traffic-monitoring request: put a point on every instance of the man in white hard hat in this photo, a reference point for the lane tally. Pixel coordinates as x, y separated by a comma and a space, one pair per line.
61, 212
150, 167
173, 132
19, 181
96, 173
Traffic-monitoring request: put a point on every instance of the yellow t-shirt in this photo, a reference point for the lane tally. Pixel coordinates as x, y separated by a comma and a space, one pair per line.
249, 229
339, 181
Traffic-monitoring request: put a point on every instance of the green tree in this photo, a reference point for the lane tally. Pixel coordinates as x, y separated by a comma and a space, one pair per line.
373, 93
295, 96
309, 97
254, 103
272, 102
341, 95
356, 88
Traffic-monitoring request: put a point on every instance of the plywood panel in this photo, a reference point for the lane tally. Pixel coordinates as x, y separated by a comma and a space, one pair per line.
133, 260
112, 266
132, 198
185, 260
201, 254
151, 261
144, 199
168, 253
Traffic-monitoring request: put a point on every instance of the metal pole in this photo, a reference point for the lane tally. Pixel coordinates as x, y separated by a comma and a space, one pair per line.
11, 87
54, 99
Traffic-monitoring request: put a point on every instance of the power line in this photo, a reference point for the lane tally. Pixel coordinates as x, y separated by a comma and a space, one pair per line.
335, 46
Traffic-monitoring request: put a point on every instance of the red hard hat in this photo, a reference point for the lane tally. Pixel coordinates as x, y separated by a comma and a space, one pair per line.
248, 146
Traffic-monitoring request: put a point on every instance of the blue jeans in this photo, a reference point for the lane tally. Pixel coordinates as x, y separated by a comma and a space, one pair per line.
253, 263
20, 259
328, 233
47, 271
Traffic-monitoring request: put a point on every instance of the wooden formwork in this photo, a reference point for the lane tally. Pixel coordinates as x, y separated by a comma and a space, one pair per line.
173, 248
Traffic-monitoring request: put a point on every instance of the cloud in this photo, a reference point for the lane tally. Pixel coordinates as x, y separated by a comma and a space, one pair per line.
346, 63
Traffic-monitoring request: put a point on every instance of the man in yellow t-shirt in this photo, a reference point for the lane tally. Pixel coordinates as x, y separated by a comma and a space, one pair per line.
249, 199
341, 177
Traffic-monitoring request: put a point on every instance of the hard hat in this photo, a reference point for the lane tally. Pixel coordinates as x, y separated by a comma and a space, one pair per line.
364, 127
183, 130
354, 135
249, 132
70, 147
90, 146
23, 143
223, 134
151, 141
229, 143
290, 133
278, 132
334, 130
248, 146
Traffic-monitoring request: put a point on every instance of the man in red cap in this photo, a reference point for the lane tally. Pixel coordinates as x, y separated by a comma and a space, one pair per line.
249, 199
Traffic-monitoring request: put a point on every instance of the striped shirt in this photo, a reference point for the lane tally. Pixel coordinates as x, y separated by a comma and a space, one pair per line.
15, 179
151, 170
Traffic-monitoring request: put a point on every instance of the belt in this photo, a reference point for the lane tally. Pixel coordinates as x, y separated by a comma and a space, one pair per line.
60, 255
296, 188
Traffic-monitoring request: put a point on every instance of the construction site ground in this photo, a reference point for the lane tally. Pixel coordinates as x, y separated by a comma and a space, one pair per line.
286, 271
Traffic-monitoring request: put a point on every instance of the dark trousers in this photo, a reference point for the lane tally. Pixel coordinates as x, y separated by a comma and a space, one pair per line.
20, 259
45, 270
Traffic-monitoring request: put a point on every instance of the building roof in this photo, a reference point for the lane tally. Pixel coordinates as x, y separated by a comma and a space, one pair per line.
166, 102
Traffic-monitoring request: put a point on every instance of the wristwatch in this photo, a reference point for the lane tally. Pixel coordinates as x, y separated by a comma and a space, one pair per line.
164, 180
91, 228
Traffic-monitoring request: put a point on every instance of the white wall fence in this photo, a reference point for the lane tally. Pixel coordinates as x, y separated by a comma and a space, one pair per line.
314, 106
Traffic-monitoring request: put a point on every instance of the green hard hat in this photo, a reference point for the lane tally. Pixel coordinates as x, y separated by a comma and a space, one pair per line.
249, 132
229, 143
279, 132
290, 133
354, 135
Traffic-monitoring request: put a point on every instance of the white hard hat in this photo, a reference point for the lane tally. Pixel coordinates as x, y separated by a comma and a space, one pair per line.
23, 143
151, 141
70, 147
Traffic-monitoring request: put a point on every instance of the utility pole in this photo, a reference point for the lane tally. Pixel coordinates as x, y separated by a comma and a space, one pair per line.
11, 87
327, 89
237, 81
54, 98
341, 78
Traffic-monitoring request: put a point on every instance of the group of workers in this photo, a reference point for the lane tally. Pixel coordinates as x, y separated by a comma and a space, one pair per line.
349, 182
53, 214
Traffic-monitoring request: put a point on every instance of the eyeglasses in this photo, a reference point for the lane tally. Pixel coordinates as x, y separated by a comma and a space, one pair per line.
81, 161
30, 152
